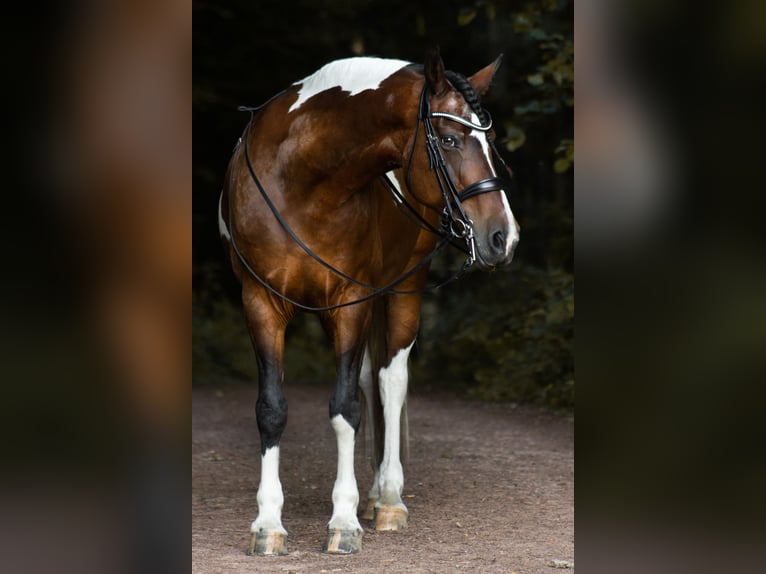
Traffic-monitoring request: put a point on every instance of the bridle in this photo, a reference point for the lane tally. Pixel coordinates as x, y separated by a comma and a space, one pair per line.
452, 226
455, 223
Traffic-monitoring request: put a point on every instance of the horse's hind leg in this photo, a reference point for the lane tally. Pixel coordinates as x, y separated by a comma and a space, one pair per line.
348, 330
372, 403
267, 329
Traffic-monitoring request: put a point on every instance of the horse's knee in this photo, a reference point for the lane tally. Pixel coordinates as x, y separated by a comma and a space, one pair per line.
349, 407
271, 414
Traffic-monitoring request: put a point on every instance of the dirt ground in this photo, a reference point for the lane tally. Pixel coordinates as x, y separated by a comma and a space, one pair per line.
490, 488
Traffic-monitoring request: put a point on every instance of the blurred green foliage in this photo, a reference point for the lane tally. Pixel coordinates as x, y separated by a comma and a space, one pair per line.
509, 338
221, 348
504, 336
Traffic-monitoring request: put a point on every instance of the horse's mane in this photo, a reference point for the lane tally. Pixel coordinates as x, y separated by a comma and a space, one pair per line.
462, 85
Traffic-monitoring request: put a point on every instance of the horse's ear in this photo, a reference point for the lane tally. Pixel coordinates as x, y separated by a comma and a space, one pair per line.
434, 71
482, 79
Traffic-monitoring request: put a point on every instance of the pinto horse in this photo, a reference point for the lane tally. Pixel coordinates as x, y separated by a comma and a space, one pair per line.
338, 194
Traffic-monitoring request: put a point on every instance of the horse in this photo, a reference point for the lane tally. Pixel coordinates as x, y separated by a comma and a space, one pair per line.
338, 194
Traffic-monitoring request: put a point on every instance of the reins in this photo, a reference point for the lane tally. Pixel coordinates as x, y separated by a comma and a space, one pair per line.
452, 227
376, 291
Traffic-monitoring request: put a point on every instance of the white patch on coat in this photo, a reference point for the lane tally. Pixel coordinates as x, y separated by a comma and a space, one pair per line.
393, 392
222, 229
391, 176
512, 233
345, 495
352, 75
481, 137
270, 497
513, 236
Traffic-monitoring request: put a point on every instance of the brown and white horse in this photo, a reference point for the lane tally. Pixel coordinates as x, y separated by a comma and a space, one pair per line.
311, 222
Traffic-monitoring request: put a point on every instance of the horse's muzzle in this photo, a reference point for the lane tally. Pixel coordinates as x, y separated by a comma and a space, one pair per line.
495, 248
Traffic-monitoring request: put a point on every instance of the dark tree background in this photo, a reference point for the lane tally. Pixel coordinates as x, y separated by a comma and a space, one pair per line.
505, 336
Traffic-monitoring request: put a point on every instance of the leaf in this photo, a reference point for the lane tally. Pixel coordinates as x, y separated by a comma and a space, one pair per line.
533, 106
489, 9
561, 165
535, 79
515, 138
567, 148
466, 16
521, 23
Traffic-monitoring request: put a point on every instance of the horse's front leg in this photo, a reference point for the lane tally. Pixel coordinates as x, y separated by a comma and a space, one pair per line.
348, 328
403, 317
267, 330
391, 513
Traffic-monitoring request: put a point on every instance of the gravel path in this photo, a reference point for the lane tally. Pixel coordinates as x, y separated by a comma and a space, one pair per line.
490, 488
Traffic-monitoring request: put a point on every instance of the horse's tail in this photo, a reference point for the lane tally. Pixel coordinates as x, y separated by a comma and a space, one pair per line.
377, 350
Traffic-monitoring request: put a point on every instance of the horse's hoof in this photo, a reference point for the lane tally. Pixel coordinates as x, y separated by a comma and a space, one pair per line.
369, 511
268, 544
343, 541
391, 518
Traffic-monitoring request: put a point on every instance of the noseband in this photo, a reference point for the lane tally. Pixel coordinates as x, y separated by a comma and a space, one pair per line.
455, 223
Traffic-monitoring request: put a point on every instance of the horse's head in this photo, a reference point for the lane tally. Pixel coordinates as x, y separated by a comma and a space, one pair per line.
451, 168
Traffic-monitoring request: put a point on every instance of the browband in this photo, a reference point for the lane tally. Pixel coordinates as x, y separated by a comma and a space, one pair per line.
464, 121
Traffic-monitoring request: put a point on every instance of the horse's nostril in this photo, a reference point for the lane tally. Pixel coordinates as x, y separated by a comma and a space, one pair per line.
498, 241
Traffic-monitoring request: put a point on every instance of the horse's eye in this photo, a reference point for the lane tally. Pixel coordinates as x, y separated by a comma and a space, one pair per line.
449, 141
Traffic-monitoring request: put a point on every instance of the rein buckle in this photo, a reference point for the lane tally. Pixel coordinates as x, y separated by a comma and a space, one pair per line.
471, 242
460, 229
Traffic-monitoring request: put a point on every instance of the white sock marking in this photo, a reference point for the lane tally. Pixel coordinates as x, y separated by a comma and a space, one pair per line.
345, 495
353, 75
393, 392
270, 497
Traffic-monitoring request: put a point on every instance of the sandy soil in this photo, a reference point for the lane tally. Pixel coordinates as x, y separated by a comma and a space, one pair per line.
490, 488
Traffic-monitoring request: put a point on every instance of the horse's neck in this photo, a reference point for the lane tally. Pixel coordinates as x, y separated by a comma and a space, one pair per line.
342, 150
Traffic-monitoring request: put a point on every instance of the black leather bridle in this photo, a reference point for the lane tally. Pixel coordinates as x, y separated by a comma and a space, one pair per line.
455, 223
